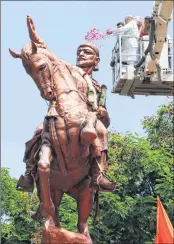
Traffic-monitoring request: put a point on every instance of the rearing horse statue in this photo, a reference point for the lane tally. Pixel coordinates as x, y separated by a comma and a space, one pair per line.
72, 133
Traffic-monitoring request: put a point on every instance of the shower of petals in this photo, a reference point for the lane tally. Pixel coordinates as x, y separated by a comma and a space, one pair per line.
94, 34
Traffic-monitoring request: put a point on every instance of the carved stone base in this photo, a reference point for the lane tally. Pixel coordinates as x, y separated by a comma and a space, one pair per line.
61, 236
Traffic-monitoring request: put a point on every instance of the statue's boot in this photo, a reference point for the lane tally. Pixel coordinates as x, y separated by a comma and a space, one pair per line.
26, 182
98, 179
88, 133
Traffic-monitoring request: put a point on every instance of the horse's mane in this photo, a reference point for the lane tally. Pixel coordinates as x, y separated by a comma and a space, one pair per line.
27, 50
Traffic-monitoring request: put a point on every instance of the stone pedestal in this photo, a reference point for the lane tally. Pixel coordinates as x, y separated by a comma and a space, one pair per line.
61, 236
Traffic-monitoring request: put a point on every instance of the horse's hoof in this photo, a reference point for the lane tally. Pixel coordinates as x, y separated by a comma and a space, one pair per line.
49, 223
37, 215
83, 229
48, 210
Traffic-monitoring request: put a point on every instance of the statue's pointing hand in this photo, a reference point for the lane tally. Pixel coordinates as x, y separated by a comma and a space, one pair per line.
30, 23
31, 28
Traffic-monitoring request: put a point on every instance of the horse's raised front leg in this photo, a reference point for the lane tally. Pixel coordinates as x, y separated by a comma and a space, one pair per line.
47, 206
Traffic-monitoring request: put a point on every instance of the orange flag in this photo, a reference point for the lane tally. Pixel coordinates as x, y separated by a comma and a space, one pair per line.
164, 229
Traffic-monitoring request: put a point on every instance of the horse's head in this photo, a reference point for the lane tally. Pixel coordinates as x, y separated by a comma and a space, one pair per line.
39, 62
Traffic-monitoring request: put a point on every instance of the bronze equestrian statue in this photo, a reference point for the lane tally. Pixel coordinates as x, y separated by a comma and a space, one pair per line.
68, 152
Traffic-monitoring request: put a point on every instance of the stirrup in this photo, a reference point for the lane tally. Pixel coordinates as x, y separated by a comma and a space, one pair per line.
101, 189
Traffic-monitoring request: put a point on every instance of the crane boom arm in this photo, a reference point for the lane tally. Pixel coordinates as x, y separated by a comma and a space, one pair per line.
162, 11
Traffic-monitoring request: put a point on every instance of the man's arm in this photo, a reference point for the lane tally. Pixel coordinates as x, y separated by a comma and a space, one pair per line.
120, 30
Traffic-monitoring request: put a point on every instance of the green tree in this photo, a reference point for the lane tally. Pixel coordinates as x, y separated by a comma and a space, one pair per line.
16, 207
159, 128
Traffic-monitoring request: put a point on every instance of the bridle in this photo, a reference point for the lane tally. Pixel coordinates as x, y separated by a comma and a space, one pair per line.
46, 76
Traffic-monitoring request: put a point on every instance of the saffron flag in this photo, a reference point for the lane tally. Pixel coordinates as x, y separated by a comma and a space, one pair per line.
164, 228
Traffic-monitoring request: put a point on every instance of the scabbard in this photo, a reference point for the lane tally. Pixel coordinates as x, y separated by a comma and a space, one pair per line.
102, 100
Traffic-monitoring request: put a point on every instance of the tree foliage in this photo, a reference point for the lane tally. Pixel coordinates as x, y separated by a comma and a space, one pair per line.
16, 208
159, 128
142, 168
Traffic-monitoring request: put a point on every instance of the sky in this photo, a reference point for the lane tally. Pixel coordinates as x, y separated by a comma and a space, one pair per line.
63, 26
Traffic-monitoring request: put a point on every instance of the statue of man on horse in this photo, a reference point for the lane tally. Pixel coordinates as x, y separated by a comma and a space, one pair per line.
69, 150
